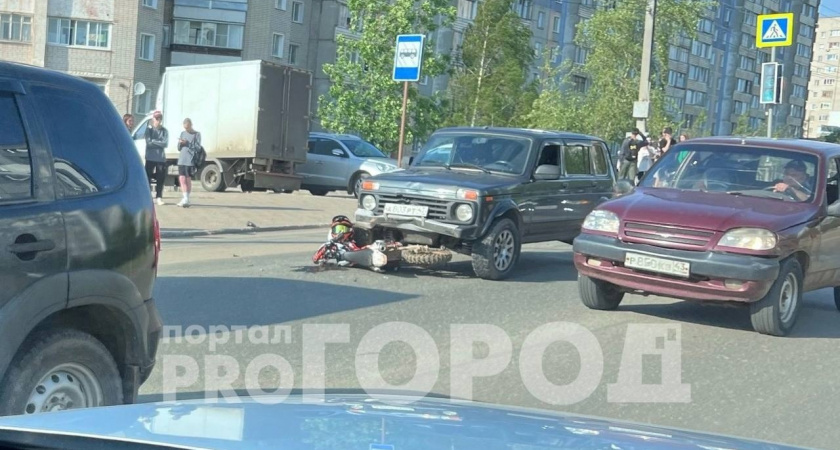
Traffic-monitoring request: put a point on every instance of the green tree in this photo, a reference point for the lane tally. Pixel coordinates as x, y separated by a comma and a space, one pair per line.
743, 128
489, 87
363, 98
612, 39
557, 106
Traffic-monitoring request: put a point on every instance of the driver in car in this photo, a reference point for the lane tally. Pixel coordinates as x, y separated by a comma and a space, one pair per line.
796, 181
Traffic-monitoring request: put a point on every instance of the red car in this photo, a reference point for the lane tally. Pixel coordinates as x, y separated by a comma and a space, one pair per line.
753, 221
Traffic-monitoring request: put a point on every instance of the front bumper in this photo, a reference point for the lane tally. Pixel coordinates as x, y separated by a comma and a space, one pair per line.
368, 220
708, 270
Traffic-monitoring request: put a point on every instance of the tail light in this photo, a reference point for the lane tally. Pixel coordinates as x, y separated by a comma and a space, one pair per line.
157, 238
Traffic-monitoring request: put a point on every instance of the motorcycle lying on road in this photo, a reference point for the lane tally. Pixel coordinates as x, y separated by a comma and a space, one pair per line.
380, 256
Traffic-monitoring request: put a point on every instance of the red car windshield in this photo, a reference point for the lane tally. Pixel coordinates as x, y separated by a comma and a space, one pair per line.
754, 171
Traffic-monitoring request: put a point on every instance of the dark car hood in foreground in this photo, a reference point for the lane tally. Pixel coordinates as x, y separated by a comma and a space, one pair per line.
356, 422
437, 178
709, 210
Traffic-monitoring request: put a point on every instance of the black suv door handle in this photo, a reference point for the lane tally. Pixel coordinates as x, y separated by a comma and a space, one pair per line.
32, 247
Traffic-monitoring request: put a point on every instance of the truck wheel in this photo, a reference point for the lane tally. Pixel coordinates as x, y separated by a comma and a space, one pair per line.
212, 179
427, 257
776, 313
356, 183
495, 255
60, 369
837, 297
597, 294
319, 192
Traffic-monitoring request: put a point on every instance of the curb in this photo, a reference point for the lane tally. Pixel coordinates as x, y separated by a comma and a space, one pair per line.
171, 234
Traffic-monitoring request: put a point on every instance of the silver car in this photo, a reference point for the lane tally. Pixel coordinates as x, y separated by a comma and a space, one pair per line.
340, 162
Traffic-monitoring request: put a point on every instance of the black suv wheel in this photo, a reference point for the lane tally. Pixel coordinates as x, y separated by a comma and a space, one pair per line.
496, 254
60, 369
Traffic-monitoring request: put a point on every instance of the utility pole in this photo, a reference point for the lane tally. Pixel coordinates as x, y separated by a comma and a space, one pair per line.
770, 107
641, 110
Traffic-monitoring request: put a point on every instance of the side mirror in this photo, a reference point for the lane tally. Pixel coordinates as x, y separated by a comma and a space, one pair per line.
834, 209
338, 152
547, 172
623, 187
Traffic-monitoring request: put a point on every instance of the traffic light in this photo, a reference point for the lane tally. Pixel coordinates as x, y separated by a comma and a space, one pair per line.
771, 76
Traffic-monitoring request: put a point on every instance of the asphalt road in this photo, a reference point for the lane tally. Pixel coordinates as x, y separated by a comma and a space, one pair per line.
741, 383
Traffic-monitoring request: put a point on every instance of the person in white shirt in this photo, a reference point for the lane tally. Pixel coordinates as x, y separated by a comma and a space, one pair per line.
645, 159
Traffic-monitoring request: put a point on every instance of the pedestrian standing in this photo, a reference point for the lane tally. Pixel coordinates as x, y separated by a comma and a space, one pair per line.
645, 160
628, 155
157, 138
128, 120
189, 141
683, 137
667, 140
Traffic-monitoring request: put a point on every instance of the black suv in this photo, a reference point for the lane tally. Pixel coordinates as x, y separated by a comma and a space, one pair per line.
486, 191
79, 247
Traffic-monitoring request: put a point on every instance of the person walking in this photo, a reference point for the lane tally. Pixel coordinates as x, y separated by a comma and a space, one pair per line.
128, 120
188, 143
157, 138
628, 155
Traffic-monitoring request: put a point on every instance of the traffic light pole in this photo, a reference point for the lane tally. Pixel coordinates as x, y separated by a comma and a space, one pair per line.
770, 107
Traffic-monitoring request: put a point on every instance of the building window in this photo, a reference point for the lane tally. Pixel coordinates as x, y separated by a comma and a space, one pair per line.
678, 54
674, 104
280, 4
749, 18
740, 108
704, 25
150, 3
297, 12
294, 49
832, 57
278, 43
825, 105
799, 91
797, 111
147, 47
578, 83
806, 30
79, 33
144, 103
809, 11
747, 63
580, 55
676, 79
744, 86
827, 94
523, 8
803, 50
695, 98
828, 81
700, 49
14, 27
754, 102
800, 71
555, 54
556, 25
166, 36
696, 73
208, 34
540, 20
823, 117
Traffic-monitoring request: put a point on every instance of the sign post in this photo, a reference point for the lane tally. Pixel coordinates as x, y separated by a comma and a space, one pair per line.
773, 30
407, 58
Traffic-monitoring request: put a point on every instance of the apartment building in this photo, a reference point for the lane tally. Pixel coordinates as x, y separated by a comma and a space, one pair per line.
823, 108
713, 80
113, 43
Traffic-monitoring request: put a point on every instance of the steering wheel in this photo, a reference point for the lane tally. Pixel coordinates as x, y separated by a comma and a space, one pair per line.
786, 191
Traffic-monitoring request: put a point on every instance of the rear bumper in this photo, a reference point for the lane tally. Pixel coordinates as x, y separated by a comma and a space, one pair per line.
602, 258
368, 220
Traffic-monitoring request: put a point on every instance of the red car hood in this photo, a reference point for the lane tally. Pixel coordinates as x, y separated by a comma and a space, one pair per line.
709, 211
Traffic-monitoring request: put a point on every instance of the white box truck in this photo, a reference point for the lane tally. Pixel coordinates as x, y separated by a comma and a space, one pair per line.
253, 117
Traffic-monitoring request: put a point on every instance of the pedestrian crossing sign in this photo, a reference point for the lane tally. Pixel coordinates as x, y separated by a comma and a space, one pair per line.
774, 30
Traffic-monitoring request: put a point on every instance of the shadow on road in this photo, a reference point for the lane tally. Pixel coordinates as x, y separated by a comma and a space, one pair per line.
206, 301
533, 267
815, 320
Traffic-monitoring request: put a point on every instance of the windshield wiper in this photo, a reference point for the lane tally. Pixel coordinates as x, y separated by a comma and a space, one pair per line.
468, 165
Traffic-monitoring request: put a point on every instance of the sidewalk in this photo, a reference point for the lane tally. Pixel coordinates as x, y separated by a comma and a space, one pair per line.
230, 212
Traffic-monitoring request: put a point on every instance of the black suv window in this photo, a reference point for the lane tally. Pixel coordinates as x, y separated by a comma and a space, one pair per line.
599, 158
15, 163
576, 159
87, 158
